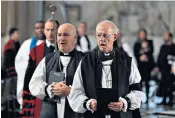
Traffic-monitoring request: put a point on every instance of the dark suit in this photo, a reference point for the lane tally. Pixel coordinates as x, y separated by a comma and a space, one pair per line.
146, 67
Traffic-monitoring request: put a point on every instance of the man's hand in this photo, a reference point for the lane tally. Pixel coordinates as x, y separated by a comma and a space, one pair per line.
143, 58
172, 69
116, 106
60, 89
93, 105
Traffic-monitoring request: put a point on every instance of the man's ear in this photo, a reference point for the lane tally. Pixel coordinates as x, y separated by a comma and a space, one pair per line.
116, 35
75, 39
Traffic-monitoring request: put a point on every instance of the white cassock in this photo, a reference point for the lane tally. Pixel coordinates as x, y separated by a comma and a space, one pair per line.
84, 45
77, 95
21, 63
129, 51
38, 83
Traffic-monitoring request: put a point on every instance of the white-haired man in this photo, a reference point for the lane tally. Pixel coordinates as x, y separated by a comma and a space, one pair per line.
107, 81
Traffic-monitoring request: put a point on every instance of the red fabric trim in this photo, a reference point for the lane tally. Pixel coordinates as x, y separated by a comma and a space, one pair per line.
39, 52
29, 101
9, 45
26, 92
37, 102
28, 109
37, 110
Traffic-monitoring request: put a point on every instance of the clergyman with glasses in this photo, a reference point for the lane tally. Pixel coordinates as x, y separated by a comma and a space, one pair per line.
107, 82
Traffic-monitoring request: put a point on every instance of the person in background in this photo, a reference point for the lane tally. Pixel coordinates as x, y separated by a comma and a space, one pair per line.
10, 50
22, 57
83, 42
32, 105
143, 51
165, 61
124, 46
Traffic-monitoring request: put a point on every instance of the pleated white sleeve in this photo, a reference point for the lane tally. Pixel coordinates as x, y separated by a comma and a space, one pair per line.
21, 62
38, 81
77, 95
135, 96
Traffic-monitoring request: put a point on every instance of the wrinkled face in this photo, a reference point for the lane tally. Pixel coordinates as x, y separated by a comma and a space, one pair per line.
49, 30
39, 30
166, 36
66, 38
142, 35
16, 35
81, 29
105, 37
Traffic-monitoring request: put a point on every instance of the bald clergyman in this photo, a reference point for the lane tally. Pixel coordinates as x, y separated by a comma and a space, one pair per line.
65, 60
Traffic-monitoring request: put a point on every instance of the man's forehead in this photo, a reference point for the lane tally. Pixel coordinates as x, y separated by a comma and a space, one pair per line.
64, 30
104, 30
39, 24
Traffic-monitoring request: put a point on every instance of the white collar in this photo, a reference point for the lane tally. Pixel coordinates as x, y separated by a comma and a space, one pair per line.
108, 62
48, 43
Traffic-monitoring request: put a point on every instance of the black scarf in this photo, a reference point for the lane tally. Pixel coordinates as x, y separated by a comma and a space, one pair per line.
92, 69
52, 63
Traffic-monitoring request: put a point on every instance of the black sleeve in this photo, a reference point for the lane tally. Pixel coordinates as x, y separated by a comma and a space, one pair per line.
136, 52
160, 61
29, 72
8, 61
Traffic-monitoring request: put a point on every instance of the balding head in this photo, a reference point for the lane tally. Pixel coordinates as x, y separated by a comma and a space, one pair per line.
69, 27
66, 37
106, 33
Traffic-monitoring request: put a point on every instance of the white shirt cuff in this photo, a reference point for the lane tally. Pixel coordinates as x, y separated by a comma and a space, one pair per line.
124, 103
49, 88
88, 105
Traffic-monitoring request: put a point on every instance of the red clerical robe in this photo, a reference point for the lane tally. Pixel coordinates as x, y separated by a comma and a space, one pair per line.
31, 104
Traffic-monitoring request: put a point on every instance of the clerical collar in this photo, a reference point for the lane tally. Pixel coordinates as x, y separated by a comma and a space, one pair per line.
67, 54
48, 43
106, 56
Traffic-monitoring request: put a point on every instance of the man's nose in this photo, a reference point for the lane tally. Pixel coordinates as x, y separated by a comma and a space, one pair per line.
102, 38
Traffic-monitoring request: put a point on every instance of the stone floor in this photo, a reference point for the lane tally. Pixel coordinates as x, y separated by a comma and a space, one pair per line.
148, 110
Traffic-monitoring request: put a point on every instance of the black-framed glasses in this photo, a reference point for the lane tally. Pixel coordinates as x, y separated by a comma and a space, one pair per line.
106, 36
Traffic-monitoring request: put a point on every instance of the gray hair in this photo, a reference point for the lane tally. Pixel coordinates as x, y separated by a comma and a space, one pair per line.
114, 27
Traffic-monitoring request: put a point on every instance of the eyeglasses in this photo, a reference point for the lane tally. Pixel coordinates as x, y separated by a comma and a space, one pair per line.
106, 36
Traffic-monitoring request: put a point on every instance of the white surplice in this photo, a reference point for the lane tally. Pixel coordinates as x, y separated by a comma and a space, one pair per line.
77, 95
21, 63
38, 83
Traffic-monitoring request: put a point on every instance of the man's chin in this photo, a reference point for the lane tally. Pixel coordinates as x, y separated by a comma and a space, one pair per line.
103, 49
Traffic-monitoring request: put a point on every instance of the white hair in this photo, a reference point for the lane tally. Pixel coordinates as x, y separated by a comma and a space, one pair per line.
114, 27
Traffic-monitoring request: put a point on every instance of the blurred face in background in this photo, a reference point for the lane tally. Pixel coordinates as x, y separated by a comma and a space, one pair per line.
15, 35
142, 35
166, 36
49, 30
105, 37
82, 29
66, 38
39, 30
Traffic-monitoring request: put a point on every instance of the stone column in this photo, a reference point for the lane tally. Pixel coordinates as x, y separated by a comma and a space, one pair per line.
22, 19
